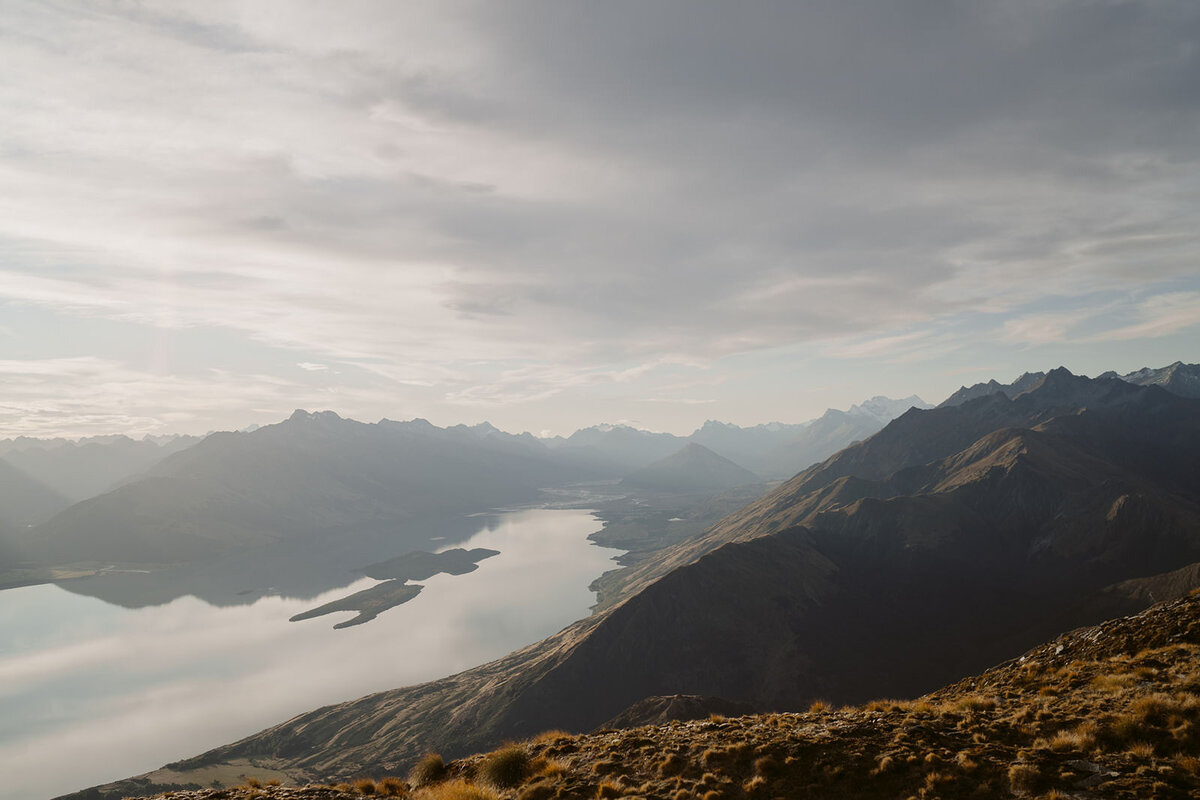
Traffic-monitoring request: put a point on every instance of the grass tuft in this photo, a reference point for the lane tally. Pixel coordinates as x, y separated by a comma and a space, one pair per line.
430, 769
506, 767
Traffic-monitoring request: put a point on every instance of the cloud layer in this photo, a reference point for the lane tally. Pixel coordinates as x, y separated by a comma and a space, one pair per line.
491, 207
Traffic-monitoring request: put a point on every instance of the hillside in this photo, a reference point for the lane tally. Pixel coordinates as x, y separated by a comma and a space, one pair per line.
79, 470
311, 474
24, 500
955, 538
1105, 711
694, 468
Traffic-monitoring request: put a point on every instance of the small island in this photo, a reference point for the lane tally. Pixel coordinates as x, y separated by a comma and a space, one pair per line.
419, 565
395, 589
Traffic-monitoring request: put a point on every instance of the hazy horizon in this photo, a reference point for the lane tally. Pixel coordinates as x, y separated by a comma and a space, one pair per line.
548, 216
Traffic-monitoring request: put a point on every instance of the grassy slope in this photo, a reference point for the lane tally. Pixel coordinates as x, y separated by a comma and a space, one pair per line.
1109, 711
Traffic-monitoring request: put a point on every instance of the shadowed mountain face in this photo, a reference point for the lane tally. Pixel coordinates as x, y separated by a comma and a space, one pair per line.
954, 538
1103, 711
1178, 378
694, 468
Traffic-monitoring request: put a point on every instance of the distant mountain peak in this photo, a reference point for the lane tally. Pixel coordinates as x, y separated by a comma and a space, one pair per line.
1022, 384
693, 467
717, 425
300, 415
886, 409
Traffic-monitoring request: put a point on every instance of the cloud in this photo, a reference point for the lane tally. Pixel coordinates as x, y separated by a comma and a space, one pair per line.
1161, 315
421, 191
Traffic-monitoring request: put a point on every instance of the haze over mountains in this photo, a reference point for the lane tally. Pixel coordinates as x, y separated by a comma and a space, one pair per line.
316, 475
952, 539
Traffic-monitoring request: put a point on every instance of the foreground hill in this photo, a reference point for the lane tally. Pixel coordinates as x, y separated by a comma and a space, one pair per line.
1107, 711
953, 539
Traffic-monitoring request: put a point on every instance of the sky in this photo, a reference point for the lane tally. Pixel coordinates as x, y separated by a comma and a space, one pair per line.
554, 214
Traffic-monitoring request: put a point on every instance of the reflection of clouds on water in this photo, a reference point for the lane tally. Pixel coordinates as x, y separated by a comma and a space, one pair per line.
125, 691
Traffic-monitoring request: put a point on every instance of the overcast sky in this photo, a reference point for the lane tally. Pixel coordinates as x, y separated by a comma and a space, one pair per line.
553, 214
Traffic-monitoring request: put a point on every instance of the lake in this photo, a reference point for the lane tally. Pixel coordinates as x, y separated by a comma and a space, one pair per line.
92, 692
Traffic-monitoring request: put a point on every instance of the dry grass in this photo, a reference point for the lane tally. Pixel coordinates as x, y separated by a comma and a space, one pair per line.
456, 790
392, 787
430, 769
505, 768
1125, 719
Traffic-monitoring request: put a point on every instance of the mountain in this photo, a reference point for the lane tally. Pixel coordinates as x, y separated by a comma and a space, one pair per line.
1178, 378
615, 449
310, 476
820, 439
24, 500
83, 469
797, 449
694, 468
745, 445
774, 449
1010, 390
885, 409
953, 539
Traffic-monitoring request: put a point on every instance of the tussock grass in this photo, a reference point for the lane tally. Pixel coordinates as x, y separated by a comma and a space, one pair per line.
505, 768
430, 769
456, 790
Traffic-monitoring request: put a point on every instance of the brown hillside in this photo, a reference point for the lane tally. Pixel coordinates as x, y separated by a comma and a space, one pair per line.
1110, 711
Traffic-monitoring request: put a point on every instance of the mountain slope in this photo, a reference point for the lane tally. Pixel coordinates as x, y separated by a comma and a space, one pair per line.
79, 470
1103, 711
951, 540
1009, 390
313, 473
24, 500
694, 468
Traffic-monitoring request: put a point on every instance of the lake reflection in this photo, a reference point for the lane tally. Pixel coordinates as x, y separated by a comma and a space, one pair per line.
92, 692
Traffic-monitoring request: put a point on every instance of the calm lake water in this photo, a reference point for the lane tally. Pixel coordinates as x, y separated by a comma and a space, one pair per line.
92, 692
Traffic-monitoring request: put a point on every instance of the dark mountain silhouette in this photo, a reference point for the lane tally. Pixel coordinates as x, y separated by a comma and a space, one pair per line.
1010, 390
693, 468
951, 540
1178, 378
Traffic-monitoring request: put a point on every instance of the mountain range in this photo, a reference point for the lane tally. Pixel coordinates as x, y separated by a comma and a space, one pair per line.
953, 539
186, 500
